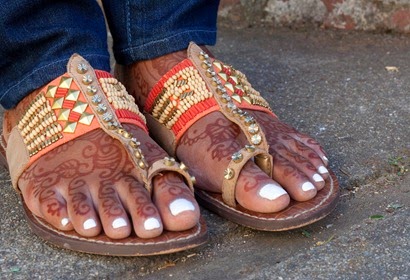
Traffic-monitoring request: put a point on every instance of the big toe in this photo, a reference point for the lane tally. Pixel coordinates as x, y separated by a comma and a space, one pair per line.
175, 202
256, 191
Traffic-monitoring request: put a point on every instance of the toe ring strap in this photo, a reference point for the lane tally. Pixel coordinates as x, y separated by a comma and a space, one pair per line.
169, 164
239, 159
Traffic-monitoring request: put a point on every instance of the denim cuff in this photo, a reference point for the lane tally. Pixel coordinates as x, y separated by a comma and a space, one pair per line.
172, 43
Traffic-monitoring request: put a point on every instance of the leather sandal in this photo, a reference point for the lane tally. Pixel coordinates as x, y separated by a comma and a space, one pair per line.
200, 85
82, 100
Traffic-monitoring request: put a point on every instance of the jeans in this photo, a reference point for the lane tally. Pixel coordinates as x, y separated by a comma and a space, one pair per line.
39, 36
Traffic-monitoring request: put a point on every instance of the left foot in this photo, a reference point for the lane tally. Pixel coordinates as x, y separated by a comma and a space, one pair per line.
299, 162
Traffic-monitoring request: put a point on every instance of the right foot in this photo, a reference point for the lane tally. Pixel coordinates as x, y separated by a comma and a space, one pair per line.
90, 185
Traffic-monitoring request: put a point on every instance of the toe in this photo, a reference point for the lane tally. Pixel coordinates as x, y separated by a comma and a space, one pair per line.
145, 217
299, 186
54, 210
302, 164
175, 202
112, 214
81, 210
256, 191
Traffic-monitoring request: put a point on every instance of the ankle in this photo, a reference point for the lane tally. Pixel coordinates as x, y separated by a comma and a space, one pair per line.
139, 78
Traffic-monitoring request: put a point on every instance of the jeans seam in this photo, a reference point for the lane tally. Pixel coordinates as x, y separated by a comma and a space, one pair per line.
36, 71
165, 38
128, 24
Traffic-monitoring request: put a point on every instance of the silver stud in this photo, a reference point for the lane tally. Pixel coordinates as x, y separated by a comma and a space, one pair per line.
87, 79
101, 108
237, 157
107, 117
250, 148
134, 143
253, 128
229, 173
91, 90
231, 106
169, 161
226, 97
256, 139
249, 120
112, 125
82, 68
96, 99
182, 166
210, 73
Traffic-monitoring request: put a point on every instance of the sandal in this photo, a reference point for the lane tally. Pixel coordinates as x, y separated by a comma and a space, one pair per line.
76, 103
200, 85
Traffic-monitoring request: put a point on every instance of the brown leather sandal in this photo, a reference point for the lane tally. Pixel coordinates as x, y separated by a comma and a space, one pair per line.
200, 85
75, 103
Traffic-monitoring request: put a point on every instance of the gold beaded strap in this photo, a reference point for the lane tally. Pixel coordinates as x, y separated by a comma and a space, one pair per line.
75, 103
198, 86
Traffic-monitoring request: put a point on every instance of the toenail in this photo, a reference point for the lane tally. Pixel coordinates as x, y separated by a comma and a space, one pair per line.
323, 170
325, 158
271, 191
90, 223
318, 178
307, 186
65, 221
181, 205
151, 224
119, 222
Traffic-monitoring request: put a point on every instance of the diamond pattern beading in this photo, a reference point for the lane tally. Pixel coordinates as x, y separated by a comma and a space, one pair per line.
66, 103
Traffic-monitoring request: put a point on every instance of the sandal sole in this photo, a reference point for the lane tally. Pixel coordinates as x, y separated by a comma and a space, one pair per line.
168, 242
296, 215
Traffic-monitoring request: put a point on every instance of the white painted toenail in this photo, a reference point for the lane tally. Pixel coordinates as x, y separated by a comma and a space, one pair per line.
151, 224
90, 223
318, 178
65, 221
323, 170
271, 191
181, 205
307, 186
119, 222
325, 159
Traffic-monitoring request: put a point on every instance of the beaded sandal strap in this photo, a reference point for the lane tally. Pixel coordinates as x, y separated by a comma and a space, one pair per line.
75, 103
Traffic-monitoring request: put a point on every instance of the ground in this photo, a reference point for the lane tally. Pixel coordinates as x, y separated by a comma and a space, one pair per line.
333, 85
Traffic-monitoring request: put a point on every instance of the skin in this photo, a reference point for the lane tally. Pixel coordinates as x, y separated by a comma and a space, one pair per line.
90, 185
213, 139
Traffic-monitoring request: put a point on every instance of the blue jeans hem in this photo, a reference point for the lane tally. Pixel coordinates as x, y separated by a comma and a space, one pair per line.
163, 46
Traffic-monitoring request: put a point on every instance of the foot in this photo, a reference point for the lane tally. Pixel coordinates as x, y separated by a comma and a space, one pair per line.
89, 185
299, 166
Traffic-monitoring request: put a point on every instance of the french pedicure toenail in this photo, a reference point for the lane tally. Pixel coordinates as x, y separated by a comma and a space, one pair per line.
119, 222
317, 178
271, 191
90, 223
151, 223
180, 205
323, 170
307, 186
64, 221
